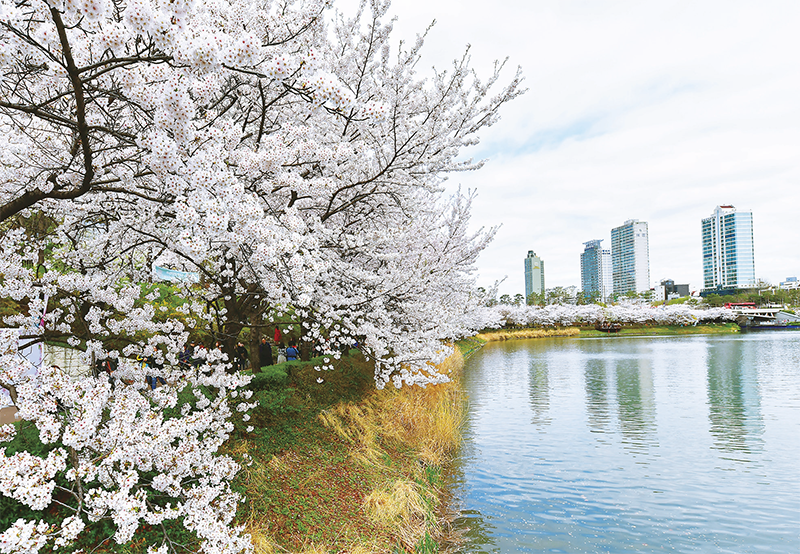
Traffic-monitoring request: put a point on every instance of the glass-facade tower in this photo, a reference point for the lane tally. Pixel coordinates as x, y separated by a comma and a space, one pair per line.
630, 257
728, 253
596, 270
534, 274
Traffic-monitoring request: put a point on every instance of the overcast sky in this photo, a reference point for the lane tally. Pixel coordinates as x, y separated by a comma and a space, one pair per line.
657, 111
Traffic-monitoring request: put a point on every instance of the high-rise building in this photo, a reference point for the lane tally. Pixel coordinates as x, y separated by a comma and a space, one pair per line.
596, 270
728, 255
630, 257
534, 274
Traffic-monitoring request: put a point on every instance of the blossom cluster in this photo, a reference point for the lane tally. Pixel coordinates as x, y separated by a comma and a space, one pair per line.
503, 315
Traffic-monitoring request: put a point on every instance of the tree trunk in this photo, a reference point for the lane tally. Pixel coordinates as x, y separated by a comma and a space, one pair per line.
305, 351
255, 351
304, 345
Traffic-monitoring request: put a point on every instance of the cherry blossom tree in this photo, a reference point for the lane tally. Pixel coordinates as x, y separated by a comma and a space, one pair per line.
294, 160
322, 160
592, 314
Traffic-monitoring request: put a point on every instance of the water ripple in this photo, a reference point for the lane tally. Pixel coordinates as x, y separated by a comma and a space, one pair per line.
684, 444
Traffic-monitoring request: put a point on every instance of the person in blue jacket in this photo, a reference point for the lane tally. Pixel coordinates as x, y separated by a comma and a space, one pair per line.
292, 353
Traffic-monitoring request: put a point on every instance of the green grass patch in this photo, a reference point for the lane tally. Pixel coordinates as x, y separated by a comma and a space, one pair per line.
469, 345
307, 486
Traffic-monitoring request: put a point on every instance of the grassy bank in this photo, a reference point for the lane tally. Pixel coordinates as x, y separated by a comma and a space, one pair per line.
341, 467
529, 333
655, 330
628, 331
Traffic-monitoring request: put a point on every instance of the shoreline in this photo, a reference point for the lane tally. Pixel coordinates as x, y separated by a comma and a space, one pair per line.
388, 451
342, 467
452, 537
587, 332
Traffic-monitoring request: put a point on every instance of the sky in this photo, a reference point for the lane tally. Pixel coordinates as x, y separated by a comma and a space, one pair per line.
656, 111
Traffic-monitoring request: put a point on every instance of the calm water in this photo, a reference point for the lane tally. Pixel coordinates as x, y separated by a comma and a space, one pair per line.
664, 444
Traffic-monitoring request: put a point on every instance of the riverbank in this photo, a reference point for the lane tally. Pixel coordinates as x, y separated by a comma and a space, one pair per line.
666, 330
528, 333
627, 331
341, 467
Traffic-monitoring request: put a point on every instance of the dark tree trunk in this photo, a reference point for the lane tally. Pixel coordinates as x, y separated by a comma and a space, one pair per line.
255, 352
305, 351
303, 345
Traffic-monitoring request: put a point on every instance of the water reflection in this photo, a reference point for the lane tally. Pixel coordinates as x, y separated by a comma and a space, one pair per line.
635, 406
734, 400
470, 527
539, 392
596, 384
615, 445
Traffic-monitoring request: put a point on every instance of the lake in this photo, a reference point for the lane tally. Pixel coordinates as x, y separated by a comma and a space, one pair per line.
651, 444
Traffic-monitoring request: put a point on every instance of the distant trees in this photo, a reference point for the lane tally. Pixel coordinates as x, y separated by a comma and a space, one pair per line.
536, 299
592, 314
715, 300
561, 295
758, 297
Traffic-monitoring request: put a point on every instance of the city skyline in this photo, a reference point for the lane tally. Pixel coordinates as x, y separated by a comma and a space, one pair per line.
728, 257
622, 119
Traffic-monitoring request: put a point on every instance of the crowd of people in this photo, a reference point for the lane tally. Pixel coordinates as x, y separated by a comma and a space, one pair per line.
194, 354
269, 353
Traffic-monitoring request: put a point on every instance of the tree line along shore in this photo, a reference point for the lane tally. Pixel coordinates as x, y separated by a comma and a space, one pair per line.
591, 331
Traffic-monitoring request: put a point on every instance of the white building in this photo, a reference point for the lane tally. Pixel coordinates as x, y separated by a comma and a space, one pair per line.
630, 257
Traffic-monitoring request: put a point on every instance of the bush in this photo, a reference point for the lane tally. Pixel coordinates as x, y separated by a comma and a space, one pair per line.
271, 377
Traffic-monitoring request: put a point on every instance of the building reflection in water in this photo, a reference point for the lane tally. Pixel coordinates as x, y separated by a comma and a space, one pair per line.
596, 383
635, 403
734, 399
539, 392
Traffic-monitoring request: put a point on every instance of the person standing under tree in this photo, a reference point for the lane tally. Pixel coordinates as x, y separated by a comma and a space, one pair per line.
241, 357
265, 352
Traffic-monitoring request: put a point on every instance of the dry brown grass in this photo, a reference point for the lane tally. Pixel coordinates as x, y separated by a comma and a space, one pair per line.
262, 543
430, 419
426, 420
402, 506
509, 334
425, 424
370, 486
